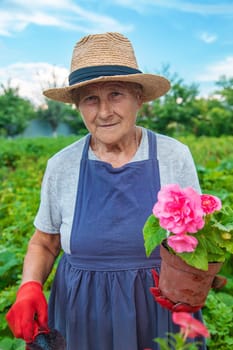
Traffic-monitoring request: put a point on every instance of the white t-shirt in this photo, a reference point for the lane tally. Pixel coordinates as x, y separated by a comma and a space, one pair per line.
59, 187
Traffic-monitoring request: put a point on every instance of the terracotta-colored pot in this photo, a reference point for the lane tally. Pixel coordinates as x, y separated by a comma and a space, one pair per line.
180, 282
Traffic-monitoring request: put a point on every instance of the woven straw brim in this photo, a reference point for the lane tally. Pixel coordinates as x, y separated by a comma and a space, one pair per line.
154, 86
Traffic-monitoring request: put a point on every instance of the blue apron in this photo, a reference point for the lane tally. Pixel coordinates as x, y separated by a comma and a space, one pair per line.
100, 298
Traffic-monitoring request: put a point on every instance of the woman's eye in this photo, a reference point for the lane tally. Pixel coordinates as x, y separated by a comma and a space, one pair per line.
90, 99
115, 94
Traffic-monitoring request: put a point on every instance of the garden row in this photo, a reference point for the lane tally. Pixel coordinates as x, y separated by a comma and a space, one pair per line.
22, 164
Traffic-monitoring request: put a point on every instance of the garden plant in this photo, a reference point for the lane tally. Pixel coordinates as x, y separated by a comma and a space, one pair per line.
22, 164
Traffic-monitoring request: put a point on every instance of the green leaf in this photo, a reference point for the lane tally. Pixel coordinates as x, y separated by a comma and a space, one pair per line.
198, 258
153, 234
7, 261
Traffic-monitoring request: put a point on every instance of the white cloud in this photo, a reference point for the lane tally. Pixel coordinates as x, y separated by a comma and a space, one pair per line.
202, 8
208, 38
215, 70
16, 15
41, 3
214, 8
33, 78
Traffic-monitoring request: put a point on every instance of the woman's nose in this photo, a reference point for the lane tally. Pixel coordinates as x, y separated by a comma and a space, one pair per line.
105, 108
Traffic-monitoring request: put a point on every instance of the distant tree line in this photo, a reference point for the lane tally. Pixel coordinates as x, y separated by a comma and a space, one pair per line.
179, 112
16, 113
182, 112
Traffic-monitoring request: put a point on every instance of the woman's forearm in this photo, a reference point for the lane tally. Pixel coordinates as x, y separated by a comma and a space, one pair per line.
41, 254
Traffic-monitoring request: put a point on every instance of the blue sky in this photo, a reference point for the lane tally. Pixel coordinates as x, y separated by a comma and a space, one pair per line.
37, 38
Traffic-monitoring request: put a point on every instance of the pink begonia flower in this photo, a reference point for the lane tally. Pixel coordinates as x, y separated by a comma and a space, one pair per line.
189, 326
182, 243
179, 210
210, 203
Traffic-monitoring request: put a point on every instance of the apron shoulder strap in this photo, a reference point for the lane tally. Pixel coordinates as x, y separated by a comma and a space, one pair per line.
152, 140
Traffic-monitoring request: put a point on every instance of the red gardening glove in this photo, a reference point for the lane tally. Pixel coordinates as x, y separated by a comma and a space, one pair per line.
165, 302
28, 316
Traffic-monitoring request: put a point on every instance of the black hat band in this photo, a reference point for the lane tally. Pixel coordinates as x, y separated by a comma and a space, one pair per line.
93, 72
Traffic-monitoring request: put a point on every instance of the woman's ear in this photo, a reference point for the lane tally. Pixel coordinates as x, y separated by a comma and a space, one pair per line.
139, 99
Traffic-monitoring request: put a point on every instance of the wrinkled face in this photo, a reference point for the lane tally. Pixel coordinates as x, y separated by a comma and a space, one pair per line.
109, 110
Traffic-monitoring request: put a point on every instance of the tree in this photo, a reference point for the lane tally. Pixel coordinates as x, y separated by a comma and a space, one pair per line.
15, 112
226, 90
55, 112
75, 122
214, 119
181, 111
172, 114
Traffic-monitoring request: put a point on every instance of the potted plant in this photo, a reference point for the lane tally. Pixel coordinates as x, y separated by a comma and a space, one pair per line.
193, 231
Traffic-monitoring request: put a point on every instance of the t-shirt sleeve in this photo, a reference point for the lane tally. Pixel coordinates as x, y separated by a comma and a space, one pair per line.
176, 163
48, 218
188, 172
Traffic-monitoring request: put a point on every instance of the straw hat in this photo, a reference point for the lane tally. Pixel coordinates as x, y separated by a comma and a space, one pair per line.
107, 57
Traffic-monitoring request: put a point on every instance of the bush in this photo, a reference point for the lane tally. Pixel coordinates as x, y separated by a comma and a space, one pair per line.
218, 316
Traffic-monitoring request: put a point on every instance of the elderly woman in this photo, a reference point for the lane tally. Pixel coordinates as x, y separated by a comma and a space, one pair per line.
96, 196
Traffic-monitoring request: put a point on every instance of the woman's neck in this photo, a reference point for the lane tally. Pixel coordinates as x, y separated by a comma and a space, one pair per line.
120, 153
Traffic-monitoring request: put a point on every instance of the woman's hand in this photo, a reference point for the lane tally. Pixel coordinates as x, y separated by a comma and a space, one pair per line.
165, 302
28, 316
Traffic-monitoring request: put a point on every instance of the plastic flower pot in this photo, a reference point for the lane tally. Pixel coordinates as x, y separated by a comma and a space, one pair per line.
180, 282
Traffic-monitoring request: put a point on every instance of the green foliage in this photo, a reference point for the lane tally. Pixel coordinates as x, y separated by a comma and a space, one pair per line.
214, 161
176, 342
55, 112
22, 164
15, 112
226, 90
212, 119
181, 111
215, 239
12, 344
75, 122
218, 316
173, 113
151, 240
